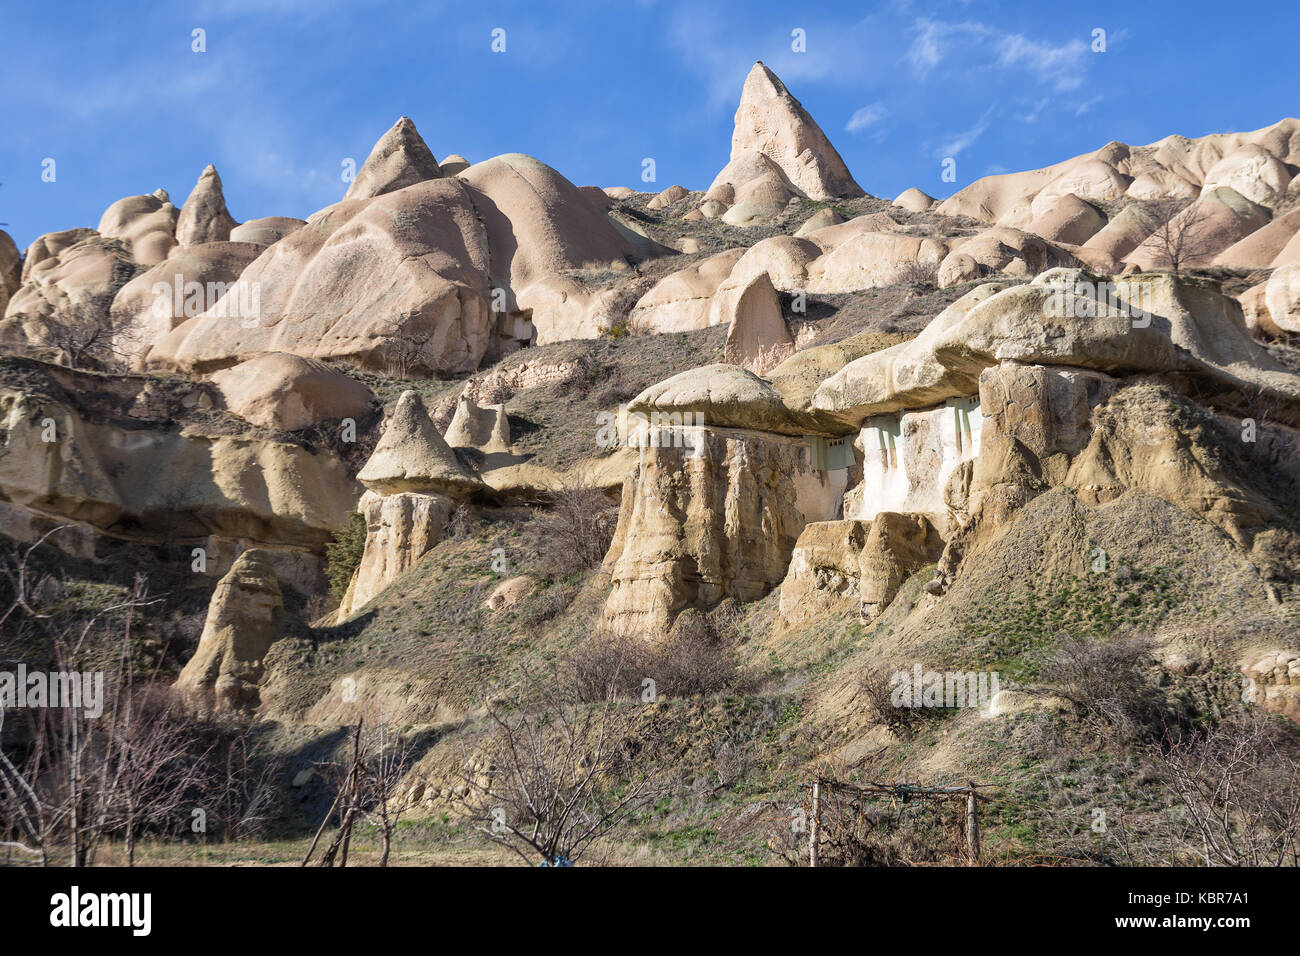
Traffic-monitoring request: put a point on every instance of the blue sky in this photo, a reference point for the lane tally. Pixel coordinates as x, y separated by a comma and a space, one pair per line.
288, 89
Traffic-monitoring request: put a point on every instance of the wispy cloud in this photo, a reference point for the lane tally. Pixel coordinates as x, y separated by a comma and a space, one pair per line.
866, 117
968, 44
1062, 65
958, 143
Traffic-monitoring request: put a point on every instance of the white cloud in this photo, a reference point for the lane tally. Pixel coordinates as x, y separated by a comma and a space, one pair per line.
960, 142
1062, 65
1087, 105
1034, 111
866, 117
936, 42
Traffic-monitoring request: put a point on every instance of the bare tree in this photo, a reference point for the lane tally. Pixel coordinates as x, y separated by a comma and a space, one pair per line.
367, 789
1178, 232
552, 778
578, 528
1239, 786
76, 775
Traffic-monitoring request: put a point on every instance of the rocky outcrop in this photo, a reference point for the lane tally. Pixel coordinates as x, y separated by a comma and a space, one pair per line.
1282, 297
400, 159
395, 279
400, 529
772, 122
204, 217
412, 456
1131, 324
145, 225
1210, 225
11, 269
414, 482
130, 481
755, 325
855, 563
184, 285
913, 200
288, 392
243, 622
1275, 683
485, 428
714, 516
69, 283
267, 231
679, 302
1175, 167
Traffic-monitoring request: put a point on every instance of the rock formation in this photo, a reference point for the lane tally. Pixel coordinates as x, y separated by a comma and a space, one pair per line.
414, 482
770, 121
288, 392
243, 622
398, 160
204, 217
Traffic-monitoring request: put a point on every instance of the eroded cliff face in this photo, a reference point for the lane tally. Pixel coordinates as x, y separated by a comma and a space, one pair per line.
400, 529
717, 516
152, 481
243, 621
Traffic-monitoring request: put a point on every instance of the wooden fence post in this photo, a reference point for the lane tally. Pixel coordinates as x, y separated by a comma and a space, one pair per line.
812, 827
973, 826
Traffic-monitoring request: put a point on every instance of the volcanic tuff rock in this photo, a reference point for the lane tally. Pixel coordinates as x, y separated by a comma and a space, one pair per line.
185, 284
400, 158
1191, 327
771, 121
148, 484
1173, 167
69, 280
204, 217
146, 225
398, 277
412, 456
717, 519
243, 622
400, 529
288, 392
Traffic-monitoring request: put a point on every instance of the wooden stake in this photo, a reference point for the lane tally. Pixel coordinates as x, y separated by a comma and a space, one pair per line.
973, 826
812, 828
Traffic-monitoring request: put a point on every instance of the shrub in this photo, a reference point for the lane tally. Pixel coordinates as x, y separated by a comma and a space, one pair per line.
1107, 684
576, 531
343, 555
697, 657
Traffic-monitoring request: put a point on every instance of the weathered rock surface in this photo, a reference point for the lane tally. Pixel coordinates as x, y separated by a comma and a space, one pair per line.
771, 121
243, 622
184, 285
266, 231
1282, 296
715, 520
146, 226
288, 392
857, 562
679, 302
482, 427
412, 456
396, 278
204, 217
913, 200
400, 529
11, 269
755, 324
1276, 678
399, 159
1180, 325
151, 484
66, 286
